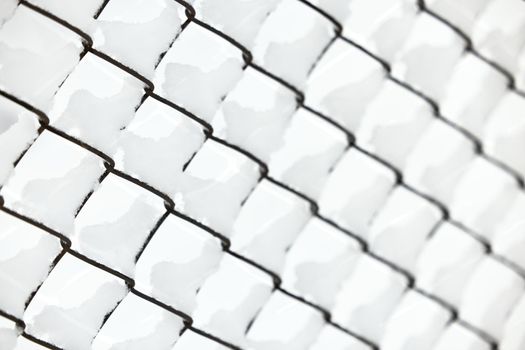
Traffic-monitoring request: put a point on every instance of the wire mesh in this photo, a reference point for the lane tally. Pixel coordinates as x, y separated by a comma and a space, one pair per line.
171, 205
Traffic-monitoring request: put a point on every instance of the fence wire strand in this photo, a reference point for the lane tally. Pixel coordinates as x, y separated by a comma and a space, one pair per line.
171, 207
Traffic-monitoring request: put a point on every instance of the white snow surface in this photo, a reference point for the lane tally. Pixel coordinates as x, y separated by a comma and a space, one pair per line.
364, 216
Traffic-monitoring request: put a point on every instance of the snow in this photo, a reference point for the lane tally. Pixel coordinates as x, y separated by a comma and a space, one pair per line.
284, 323
311, 148
491, 294
434, 166
381, 26
36, 55
255, 114
198, 61
337, 9
26, 255
471, 262
513, 337
137, 324
334, 339
18, 129
7, 9
482, 196
157, 143
405, 217
242, 290
268, 223
26, 344
241, 20
498, 32
114, 224
70, 306
291, 53
519, 76
126, 27
368, 297
343, 83
444, 268
462, 14
474, 89
393, 122
355, 191
416, 323
190, 340
95, 102
508, 239
318, 261
457, 337
8, 334
185, 253
428, 56
79, 13
52, 180
216, 182
505, 132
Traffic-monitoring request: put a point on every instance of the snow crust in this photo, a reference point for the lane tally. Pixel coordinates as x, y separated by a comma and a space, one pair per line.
433, 166
504, 132
491, 294
405, 217
428, 56
36, 55
416, 323
284, 323
52, 180
115, 222
70, 306
368, 297
343, 83
268, 223
18, 129
79, 13
216, 172
444, 269
157, 143
310, 149
26, 255
355, 190
473, 91
125, 28
185, 253
242, 289
508, 239
8, 334
301, 42
332, 338
318, 262
393, 122
472, 262
138, 324
255, 114
198, 61
240, 19
95, 102
190, 340
456, 337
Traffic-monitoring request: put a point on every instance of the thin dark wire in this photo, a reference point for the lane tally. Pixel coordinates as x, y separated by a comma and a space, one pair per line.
397, 172
209, 133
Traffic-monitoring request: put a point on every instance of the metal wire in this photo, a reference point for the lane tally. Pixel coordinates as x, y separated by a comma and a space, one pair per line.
208, 131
